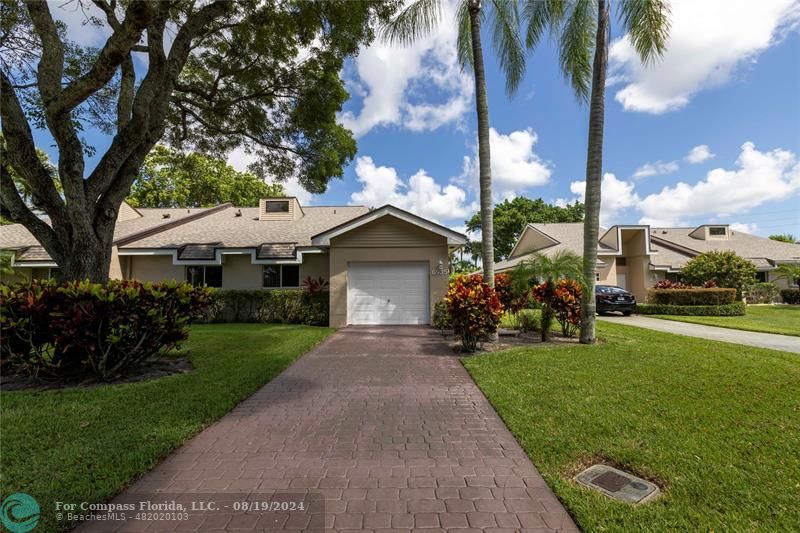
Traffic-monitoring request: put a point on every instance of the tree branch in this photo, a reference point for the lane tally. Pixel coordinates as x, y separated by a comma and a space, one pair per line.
22, 153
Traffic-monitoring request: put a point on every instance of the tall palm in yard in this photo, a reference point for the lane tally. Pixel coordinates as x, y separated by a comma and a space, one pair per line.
581, 28
420, 18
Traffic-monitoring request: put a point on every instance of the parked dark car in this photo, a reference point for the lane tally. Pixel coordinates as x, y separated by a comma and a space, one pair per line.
610, 298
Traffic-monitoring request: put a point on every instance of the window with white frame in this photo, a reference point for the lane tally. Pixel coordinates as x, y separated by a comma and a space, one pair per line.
277, 276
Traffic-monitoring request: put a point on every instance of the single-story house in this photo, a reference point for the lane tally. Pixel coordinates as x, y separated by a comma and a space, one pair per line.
636, 257
384, 265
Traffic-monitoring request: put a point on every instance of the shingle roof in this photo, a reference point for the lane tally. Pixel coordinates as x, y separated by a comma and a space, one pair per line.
17, 237
743, 244
247, 231
197, 251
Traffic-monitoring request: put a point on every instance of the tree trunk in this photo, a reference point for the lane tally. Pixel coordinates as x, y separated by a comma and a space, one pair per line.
594, 174
89, 258
484, 152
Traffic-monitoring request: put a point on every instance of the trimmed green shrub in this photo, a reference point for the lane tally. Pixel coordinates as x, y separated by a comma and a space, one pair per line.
474, 310
762, 293
441, 317
731, 309
790, 296
272, 306
694, 296
529, 320
726, 269
79, 330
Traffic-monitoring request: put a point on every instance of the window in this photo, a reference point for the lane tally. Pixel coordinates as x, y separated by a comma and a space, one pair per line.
622, 261
281, 276
277, 207
210, 276
761, 277
717, 231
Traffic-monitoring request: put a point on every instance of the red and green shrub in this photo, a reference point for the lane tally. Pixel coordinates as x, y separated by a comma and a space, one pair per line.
79, 330
474, 308
560, 301
691, 296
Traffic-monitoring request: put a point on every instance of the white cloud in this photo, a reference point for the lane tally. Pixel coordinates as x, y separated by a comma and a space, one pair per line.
515, 165
421, 194
708, 40
78, 18
240, 160
616, 195
390, 79
656, 169
699, 154
761, 177
744, 227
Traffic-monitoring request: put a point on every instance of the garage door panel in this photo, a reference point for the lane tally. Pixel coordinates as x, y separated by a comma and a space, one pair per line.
387, 293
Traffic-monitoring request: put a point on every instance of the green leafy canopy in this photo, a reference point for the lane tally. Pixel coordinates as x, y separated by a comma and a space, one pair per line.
173, 179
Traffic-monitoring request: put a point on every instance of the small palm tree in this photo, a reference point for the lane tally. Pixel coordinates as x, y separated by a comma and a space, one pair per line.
547, 269
420, 18
581, 28
789, 272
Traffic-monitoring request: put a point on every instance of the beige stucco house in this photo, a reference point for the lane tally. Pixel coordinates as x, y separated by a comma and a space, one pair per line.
635, 257
385, 265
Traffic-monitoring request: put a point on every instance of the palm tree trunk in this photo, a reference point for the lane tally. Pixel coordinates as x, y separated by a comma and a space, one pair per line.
594, 173
484, 152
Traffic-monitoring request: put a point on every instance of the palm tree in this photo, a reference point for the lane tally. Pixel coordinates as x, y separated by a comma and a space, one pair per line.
547, 269
582, 30
421, 17
790, 272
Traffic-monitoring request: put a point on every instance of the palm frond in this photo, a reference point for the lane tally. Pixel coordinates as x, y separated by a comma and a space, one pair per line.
648, 25
464, 40
542, 15
507, 42
576, 46
416, 20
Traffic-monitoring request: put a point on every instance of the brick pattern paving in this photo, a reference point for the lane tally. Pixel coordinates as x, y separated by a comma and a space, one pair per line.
382, 423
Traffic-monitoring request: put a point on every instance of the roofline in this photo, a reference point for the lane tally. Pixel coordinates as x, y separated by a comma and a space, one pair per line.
530, 226
324, 238
133, 237
674, 246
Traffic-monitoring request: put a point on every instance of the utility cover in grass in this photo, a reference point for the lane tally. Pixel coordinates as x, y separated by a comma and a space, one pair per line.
617, 484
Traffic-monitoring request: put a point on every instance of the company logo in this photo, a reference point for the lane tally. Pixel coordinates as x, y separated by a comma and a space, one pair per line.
19, 513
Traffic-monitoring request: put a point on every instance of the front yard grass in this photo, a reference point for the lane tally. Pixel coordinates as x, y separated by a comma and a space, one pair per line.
781, 319
716, 425
87, 444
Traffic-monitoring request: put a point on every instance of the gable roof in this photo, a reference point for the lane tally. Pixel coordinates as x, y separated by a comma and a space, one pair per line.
677, 245
453, 237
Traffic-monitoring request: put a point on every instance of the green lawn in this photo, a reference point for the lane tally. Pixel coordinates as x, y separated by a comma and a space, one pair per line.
86, 445
716, 425
782, 319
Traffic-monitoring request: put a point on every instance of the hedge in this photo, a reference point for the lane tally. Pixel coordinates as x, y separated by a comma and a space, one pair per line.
78, 330
697, 296
762, 293
790, 296
732, 309
273, 306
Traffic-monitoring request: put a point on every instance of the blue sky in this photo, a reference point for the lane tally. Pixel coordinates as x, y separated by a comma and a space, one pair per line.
711, 133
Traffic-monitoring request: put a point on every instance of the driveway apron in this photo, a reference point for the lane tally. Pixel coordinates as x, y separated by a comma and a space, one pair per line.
381, 427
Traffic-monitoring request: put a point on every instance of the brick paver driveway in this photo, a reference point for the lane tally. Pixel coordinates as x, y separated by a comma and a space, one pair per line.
385, 425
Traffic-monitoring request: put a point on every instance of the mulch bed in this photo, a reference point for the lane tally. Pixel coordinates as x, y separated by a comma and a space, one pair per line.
154, 370
505, 342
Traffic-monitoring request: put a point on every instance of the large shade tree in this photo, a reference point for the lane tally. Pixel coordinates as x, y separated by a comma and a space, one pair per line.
208, 76
511, 216
170, 178
419, 18
581, 29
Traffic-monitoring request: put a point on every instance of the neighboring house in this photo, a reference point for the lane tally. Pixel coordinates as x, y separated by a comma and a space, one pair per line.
635, 257
385, 265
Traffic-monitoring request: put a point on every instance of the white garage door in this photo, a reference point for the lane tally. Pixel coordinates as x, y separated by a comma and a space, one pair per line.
387, 293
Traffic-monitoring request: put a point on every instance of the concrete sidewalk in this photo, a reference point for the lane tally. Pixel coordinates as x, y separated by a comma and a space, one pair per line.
785, 343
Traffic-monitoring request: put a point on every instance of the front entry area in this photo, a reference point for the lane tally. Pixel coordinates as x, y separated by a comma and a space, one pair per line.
387, 293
